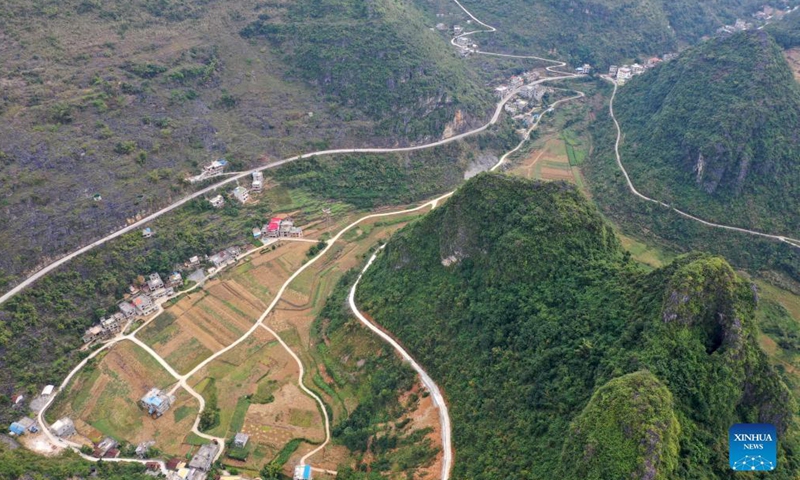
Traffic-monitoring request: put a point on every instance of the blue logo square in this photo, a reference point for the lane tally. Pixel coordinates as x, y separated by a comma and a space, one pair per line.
753, 447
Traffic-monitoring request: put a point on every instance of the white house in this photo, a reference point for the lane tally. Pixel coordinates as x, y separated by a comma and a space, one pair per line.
241, 194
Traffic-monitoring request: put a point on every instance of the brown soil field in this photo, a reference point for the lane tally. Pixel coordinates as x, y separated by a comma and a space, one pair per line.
793, 57
103, 401
549, 173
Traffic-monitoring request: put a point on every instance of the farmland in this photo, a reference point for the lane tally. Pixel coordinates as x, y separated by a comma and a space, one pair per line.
205, 321
103, 401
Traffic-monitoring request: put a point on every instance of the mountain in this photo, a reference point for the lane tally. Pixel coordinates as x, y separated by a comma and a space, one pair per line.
715, 133
104, 116
559, 356
601, 32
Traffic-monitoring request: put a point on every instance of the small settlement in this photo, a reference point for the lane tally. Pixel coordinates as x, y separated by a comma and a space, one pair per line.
141, 304
626, 72
280, 228
213, 169
198, 467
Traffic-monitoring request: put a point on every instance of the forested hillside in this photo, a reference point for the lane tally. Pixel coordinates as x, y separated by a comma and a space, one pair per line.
601, 32
107, 106
715, 133
560, 357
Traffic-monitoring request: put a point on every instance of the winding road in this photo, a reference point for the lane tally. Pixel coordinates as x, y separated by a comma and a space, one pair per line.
782, 238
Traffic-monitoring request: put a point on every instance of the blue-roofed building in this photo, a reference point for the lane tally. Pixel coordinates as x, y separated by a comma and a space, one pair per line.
302, 472
156, 402
17, 429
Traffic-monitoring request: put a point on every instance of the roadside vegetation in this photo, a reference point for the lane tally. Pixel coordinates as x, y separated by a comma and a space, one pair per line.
519, 301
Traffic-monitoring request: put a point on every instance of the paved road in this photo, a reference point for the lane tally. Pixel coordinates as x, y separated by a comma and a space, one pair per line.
135, 226
430, 385
782, 238
183, 379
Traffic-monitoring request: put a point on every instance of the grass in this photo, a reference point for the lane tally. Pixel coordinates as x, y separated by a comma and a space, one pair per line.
302, 418
644, 253
286, 452
182, 412
237, 419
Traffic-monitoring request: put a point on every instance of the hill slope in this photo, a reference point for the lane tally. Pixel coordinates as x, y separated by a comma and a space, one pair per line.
518, 299
715, 133
127, 98
601, 32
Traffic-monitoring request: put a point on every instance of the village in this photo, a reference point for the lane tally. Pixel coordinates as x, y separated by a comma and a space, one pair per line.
142, 301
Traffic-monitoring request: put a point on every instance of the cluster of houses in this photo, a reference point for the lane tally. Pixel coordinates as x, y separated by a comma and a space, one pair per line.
626, 72
518, 82
141, 304
240, 193
768, 13
738, 26
198, 467
213, 169
278, 228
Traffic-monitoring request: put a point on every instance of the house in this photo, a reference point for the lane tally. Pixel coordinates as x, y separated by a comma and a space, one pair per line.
302, 472
531, 76
28, 423
204, 458
127, 309
172, 463
286, 227
501, 91
16, 429
240, 440
147, 232
612, 70
587, 69
63, 428
112, 453
458, 29
516, 81
256, 233
175, 279
214, 168
241, 194
133, 289
441, 27
193, 261
92, 334
143, 448
154, 281
258, 181
48, 390
159, 293
144, 305
462, 41
217, 202
17, 399
296, 232
105, 446
652, 62
624, 74
156, 402
112, 324
274, 227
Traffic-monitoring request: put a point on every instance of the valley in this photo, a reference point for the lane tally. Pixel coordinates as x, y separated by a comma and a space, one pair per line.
263, 348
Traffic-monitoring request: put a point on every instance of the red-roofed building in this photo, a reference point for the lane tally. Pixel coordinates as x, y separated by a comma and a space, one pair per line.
172, 464
274, 227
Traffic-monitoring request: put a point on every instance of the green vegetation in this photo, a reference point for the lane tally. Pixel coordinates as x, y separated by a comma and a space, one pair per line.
714, 133
600, 32
376, 431
20, 463
367, 181
627, 430
380, 57
518, 299
660, 226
